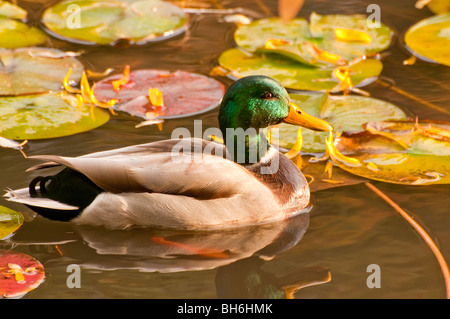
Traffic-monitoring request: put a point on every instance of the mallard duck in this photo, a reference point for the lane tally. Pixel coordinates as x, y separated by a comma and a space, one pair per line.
177, 183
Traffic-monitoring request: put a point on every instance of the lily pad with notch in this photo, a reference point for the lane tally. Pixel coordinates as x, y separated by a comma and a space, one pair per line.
295, 75
315, 42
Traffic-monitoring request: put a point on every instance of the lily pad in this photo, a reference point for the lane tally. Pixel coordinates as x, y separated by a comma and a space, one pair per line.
47, 116
19, 273
345, 113
400, 152
10, 221
295, 75
16, 34
184, 93
12, 11
439, 6
325, 26
304, 42
106, 22
35, 70
429, 39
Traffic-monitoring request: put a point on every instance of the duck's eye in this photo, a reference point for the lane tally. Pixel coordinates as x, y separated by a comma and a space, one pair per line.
268, 95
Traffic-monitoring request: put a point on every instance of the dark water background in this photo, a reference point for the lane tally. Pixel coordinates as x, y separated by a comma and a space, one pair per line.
347, 229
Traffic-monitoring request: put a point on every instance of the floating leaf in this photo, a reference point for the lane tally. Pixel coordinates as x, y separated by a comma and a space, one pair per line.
19, 273
184, 93
35, 70
10, 221
345, 113
401, 152
47, 116
326, 40
439, 6
16, 34
295, 75
106, 22
429, 39
12, 11
358, 33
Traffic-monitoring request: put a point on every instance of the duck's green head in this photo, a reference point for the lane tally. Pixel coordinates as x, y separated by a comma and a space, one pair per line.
260, 101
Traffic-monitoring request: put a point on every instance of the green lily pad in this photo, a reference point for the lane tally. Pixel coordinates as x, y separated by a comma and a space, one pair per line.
106, 22
19, 273
35, 70
295, 75
402, 152
10, 221
12, 11
345, 113
297, 38
16, 34
46, 116
324, 26
429, 39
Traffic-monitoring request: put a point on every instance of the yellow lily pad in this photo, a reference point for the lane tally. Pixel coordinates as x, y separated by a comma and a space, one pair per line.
439, 6
10, 221
429, 39
106, 22
345, 113
47, 115
16, 34
400, 152
296, 75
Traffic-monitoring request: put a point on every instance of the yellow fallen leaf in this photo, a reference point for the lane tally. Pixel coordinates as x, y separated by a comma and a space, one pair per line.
351, 35
335, 155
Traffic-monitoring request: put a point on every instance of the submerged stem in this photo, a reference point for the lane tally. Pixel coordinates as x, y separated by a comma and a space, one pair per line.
422, 233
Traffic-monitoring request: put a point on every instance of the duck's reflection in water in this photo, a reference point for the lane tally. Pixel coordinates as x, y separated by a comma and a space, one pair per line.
237, 254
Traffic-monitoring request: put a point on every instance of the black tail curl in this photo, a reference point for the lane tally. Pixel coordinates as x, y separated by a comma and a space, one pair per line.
68, 187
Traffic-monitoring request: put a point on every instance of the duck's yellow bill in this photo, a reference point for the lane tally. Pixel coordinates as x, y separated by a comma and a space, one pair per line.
297, 117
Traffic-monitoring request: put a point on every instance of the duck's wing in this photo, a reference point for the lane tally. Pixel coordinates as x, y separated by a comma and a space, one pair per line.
188, 145
173, 169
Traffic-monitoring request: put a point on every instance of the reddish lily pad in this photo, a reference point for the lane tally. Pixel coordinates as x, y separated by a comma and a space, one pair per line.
10, 221
36, 70
19, 273
184, 93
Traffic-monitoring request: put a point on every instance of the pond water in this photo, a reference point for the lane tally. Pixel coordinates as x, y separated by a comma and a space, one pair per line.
326, 251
